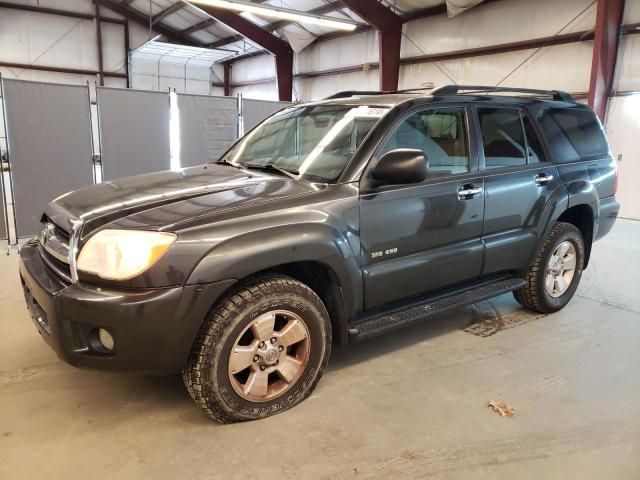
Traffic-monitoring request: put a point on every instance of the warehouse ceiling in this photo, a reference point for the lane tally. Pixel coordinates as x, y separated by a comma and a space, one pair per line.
184, 23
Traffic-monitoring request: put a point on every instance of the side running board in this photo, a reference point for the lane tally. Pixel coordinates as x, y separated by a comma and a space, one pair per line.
376, 324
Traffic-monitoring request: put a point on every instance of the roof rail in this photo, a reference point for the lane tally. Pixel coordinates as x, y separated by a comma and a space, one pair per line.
353, 93
456, 89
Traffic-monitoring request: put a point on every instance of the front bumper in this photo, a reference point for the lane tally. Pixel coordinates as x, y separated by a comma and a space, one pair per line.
153, 329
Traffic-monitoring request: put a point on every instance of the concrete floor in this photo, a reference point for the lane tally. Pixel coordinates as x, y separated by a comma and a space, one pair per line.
412, 404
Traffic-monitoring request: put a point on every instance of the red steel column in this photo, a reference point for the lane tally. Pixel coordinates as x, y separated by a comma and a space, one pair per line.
389, 27
280, 49
227, 79
605, 52
284, 75
390, 59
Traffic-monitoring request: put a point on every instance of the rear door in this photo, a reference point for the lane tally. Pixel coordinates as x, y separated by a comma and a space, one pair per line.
518, 181
421, 237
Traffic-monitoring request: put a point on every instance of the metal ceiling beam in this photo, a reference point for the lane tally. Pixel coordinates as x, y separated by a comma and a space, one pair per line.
276, 46
605, 52
322, 10
134, 15
167, 11
389, 27
198, 26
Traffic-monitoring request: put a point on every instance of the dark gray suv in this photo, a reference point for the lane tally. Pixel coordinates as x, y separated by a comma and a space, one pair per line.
329, 222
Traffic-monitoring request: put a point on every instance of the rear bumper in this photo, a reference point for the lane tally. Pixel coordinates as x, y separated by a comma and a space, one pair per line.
153, 329
609, 208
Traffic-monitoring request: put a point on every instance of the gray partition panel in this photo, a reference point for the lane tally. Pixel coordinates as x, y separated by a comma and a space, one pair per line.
208, 126
48, 127
3, 175
134, 131
254, 111
3, 228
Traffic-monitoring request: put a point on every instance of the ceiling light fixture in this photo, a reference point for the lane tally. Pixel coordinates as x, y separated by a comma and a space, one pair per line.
278, 13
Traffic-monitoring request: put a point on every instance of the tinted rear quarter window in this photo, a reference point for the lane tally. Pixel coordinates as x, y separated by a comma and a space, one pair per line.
572, 133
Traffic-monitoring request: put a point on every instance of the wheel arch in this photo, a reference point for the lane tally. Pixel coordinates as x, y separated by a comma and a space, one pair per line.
582, 217
318, 257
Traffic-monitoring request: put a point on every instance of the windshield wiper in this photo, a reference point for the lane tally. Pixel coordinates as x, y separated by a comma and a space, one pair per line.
224, 161
271, 167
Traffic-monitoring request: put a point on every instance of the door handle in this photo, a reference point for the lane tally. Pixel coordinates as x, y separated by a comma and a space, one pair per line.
467, 192
542, 178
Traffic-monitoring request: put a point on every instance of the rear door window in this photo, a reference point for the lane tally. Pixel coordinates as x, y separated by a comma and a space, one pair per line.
503, 137
535, 151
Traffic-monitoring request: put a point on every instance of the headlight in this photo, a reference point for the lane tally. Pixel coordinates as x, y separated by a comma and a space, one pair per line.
123, 254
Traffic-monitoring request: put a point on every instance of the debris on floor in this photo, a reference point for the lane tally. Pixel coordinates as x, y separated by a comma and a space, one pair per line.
486, 319
502, 408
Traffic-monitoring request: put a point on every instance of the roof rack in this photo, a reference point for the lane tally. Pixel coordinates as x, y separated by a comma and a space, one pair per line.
456, 89
355, 93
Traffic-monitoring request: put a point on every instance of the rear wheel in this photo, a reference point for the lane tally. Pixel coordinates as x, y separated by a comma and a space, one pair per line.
261, 351
555, 274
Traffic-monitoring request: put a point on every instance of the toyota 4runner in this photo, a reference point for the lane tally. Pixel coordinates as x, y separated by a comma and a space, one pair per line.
329, 222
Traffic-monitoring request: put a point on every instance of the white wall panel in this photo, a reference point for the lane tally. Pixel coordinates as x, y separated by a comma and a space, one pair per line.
340, 52
628, 70
254, 68
623, 128
495, 23
321, 87
563, 67
631, 11
267, 91
47, 40
57, 41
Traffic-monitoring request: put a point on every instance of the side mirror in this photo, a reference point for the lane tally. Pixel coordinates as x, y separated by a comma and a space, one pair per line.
401, 166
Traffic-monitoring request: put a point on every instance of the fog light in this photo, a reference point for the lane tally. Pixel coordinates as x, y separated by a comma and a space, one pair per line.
106, 340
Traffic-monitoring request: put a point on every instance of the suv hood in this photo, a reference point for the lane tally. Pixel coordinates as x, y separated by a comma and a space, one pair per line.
223, 186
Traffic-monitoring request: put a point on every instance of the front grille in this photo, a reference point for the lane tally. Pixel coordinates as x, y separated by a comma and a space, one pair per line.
53, 244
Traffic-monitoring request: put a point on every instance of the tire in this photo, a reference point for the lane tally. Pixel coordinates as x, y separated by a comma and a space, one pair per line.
241, 325
536, 294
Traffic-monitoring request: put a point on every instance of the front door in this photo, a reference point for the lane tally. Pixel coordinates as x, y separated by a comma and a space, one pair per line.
518, 182
421, 237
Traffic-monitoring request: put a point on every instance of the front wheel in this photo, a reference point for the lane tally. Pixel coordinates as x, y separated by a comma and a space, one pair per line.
261, 351
554, 276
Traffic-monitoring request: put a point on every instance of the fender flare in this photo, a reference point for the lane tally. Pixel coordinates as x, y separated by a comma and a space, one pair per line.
243, 255
576, 193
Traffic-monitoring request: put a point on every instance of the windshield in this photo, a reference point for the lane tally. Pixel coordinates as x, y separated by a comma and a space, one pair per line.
315, 142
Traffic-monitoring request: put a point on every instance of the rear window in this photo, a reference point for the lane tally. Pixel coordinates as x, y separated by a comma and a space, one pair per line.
573, 133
